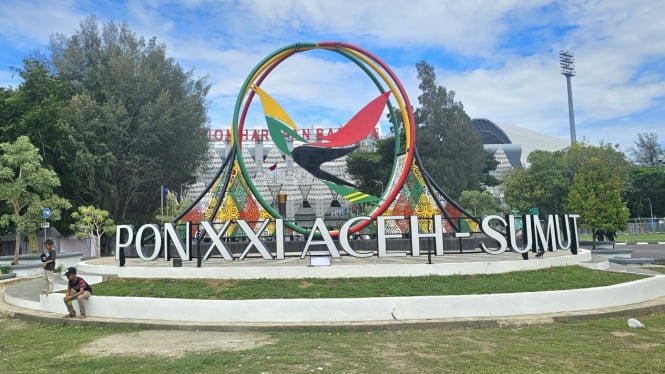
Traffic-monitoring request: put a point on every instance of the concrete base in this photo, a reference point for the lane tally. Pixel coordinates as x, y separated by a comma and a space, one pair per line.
352, 310
635, 260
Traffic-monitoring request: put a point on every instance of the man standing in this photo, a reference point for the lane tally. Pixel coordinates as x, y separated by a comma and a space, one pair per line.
48, 264
77, 289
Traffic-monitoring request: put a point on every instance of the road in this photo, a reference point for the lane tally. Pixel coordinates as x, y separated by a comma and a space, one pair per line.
656, 251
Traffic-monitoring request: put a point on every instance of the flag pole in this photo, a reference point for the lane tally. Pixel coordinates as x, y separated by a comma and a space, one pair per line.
161, 203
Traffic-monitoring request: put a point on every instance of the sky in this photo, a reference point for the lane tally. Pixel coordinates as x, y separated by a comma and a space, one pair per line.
500, 57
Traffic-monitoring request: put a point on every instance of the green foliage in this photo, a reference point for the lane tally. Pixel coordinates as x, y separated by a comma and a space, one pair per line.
647, 191
449, 148
138, 118
26, 187
91, 223
36, 110
112, 116
5, 269
546, 183
490, 165
372, 169
647, 150
479, 203
610, 154
595, 195
171, 208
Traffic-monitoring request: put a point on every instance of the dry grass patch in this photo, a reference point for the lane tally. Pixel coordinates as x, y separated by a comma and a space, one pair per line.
167, 343
305, 284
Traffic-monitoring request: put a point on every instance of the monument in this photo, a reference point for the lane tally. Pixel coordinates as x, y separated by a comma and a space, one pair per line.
412, 213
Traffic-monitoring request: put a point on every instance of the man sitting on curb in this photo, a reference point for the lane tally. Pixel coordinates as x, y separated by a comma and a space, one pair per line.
77, 289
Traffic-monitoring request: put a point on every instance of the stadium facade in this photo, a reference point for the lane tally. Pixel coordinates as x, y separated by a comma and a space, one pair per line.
274, 174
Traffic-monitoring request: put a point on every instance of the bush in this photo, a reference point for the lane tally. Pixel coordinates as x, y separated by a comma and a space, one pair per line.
5, 269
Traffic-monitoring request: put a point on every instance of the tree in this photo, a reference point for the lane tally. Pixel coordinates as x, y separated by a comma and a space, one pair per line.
490, 165
481, 203
450, 149
647, 192
172, 207
519, 190
372, 170
546, 183
618, 165
91, 223
27, 188
36, 110
596, 196
647, 150
138, 119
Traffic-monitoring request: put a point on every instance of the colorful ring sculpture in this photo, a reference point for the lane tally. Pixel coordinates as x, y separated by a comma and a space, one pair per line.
385, 81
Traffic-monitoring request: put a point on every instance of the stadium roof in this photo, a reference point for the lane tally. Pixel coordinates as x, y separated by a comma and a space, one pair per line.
528, 139
490, 132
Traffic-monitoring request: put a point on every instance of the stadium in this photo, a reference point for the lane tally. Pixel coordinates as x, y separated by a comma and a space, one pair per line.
307, 197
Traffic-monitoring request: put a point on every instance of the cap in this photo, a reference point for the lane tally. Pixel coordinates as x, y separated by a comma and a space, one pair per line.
70, 270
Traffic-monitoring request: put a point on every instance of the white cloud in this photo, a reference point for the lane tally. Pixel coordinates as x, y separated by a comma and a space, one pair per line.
27, 23
500, 57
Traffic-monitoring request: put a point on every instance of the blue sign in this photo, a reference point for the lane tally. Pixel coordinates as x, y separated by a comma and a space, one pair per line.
46, 213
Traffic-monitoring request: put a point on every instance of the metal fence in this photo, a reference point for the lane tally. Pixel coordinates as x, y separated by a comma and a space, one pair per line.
638, 226
645, 225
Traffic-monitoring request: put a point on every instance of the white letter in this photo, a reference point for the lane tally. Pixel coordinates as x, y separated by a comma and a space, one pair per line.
546, 241
496, 235
344, 237
325, 235
139, 239
416, 235
381, 236
169, 233
254, 239
561, 235
118, 237
573, 232
216, 241
279, 238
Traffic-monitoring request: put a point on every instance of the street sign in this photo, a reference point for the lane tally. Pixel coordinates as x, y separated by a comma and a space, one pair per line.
46, 213
45, 225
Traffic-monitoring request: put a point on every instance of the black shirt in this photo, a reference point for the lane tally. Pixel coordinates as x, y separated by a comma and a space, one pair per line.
79, 282
50, 255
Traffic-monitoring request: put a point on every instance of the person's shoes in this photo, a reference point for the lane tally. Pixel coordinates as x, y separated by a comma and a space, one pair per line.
539, 255
69, 316
82, 316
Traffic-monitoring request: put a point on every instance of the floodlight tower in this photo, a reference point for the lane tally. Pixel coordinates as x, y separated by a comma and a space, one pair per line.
568, 70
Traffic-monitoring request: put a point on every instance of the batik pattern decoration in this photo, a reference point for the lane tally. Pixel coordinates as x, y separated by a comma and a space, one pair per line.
239, 190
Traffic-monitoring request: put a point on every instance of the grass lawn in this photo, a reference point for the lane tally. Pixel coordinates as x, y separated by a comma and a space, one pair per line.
593, 346
554, 278
633, 238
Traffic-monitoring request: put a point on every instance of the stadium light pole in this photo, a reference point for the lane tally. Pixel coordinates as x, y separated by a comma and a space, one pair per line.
567, 61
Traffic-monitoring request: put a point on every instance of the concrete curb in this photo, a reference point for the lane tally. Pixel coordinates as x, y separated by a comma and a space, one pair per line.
633, 310
519, 309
